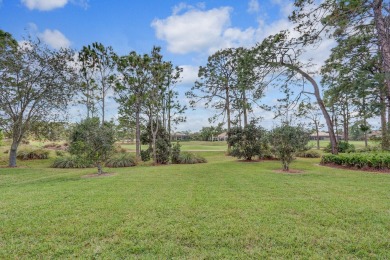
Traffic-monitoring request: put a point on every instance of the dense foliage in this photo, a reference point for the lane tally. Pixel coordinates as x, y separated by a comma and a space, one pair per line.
32, 154
121, 160
247, 142
93, 141
342, 147
359, 160
286, 141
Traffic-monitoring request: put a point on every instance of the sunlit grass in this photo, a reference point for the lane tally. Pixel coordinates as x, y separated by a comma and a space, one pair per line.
222, 209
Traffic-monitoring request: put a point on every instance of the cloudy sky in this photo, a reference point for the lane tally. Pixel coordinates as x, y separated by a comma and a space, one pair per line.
188, 32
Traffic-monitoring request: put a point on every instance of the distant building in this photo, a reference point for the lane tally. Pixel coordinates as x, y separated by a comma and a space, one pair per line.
180, 137
323, 136
222, 137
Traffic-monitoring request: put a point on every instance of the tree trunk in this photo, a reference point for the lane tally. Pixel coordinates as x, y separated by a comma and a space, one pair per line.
228, 113
385, 137
12, 153
244, 107
99, 167
321, 104
137, 135
318, 136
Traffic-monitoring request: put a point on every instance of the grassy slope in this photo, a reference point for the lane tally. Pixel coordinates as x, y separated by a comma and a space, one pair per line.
222, 209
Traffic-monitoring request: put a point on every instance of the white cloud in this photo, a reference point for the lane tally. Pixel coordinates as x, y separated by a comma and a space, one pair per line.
54, 39
44, 5
189, 74
253, 6
47, 5
193, 31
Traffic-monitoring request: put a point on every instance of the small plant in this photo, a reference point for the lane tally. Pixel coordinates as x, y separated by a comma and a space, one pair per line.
119, 149
145, 155
71, 161
32, 154
121, 160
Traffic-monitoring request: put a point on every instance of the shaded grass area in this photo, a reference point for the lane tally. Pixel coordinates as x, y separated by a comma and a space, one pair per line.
222, 209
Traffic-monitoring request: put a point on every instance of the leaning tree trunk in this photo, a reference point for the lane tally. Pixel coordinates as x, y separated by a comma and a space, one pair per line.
321, 104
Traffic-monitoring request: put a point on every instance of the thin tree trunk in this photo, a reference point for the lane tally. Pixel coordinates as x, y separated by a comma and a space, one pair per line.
137, 135
318, 136
99, 167
245, 109
228, 113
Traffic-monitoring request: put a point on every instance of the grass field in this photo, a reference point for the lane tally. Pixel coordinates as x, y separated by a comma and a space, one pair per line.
222, 209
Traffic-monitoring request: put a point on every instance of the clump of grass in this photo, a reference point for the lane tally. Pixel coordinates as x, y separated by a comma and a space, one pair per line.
71, 162
33, 154
60, 153
190, 158
121, 160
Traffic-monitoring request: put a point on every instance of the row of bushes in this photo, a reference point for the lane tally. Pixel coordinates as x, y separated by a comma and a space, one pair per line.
73, 161
359, 160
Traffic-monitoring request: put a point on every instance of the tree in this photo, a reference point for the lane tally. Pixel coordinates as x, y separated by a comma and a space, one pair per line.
93, 141
207, 133
247, 142
279, 51
36, 83
99, 61
313, 113
346, 20
216, 83
131, 89
286, 140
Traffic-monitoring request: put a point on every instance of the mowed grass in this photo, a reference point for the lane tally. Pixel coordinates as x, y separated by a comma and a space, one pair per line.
223, 209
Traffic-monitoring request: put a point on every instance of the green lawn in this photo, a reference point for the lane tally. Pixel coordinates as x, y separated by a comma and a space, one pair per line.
222, 209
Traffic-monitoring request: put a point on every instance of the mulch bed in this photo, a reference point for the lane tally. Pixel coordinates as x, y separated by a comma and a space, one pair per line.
364, 169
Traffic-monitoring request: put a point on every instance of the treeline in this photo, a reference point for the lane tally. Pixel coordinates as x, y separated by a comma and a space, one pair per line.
37, 84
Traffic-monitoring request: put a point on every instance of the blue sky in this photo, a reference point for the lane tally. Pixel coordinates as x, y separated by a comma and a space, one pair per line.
188, 32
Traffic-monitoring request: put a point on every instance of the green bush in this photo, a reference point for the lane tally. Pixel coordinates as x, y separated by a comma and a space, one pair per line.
359, 160
33, 154
342, 147
121, 160
71, 161
145, 155
175, 158
191, 158
308, 154
60, 153
247, 142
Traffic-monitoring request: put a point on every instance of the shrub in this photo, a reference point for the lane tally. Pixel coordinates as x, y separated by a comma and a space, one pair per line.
32, 154
72, 161
342, 147
94, 141
247, 142
119, 149
191, 158
60, 153
359, 160
308, 154
121, 160
287, 140
145, 155
175, 158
